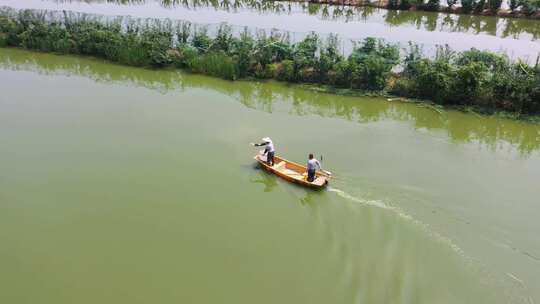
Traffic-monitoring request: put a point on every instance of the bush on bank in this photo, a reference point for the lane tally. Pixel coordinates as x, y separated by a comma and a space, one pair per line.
472, 78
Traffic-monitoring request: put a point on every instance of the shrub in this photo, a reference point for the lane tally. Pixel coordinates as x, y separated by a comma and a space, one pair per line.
417, 3
529, 7
214, 64
329, 56
371, 63
287, 72
129, 50
324, 65
3, 40
186, 54
242, 50
341, 75
273, 48
534, 106
370, 74
34, 37
6, 24
201, 40
494, 5
432, 5
223, 40
259, 71
431, 79
480, 5
468, 5
514, 4
273, 70
97, 39
517, 89
157, 45
304, 52
492, 61
52, 38
402, 86
405, 4
393, 4
308, 74
9, 31
469, 83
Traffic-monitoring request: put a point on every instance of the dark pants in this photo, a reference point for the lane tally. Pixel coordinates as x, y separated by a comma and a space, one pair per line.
270, 158
310, 175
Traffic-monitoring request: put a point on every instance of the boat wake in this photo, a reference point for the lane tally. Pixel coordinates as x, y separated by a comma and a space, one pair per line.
400, 213
490, 278
374, 203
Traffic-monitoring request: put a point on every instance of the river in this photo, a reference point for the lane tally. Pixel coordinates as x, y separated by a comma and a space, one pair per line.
126, 185
518, 38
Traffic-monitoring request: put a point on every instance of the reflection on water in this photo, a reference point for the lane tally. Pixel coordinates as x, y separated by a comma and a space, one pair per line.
489, 132
267, 180
517, 28
269, 183
443, 22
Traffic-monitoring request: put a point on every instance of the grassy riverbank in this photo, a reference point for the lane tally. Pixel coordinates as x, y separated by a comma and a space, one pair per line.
473, 79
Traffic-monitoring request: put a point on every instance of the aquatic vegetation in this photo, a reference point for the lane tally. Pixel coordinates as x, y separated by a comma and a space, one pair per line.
215, 64
472, 78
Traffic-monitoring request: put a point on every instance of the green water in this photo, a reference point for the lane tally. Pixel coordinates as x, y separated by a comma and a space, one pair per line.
124, 185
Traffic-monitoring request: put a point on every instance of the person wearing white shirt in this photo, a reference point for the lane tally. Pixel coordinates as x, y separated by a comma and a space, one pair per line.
312, 165
268, 150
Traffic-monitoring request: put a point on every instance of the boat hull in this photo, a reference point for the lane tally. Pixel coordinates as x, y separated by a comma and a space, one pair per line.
292, 172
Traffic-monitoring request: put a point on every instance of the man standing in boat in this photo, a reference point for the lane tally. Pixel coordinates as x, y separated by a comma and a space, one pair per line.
312, 165
268, 150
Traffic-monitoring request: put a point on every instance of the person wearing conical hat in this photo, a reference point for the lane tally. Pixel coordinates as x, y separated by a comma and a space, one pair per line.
268, 150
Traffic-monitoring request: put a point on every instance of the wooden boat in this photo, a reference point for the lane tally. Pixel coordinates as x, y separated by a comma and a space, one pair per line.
292, 172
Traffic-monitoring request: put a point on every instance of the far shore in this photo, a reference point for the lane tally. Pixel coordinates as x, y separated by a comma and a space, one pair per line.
385, 4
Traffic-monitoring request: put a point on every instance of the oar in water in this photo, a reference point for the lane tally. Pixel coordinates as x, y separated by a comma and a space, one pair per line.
328, 173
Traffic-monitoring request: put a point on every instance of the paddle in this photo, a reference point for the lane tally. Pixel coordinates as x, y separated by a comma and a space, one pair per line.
328, 173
